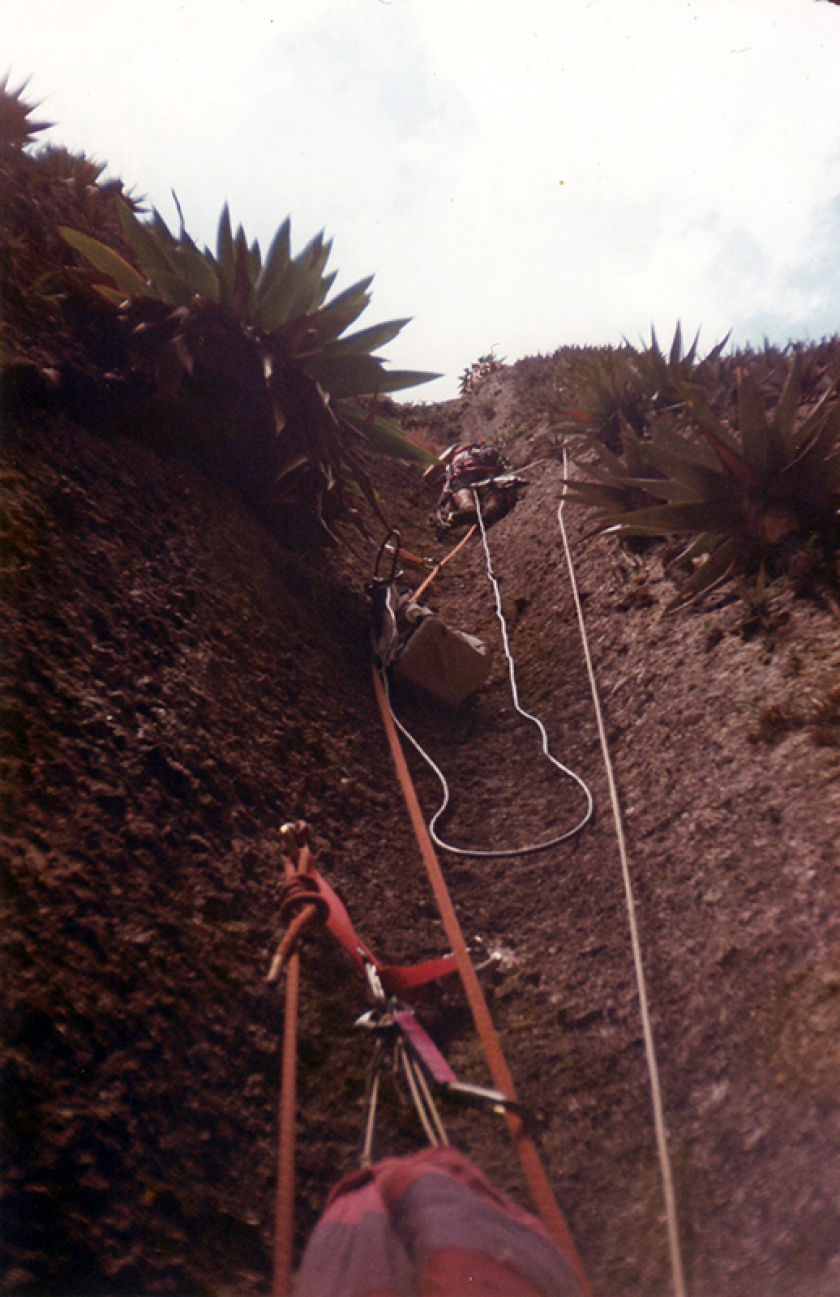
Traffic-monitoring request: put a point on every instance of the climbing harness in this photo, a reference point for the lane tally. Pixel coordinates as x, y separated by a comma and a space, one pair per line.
470, 472
384, 661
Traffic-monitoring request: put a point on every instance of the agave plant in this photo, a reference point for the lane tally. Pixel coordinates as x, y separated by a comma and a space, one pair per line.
662, 377
17, 129
608, 386
741, 500
255, 346
625, 386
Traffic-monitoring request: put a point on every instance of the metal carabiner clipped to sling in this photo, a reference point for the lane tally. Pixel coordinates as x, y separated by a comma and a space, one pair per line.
384, 599
404, 1044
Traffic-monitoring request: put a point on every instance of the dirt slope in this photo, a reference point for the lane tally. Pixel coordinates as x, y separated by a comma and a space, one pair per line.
178, 683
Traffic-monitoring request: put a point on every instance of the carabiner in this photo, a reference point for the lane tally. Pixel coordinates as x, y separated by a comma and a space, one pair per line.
390, 545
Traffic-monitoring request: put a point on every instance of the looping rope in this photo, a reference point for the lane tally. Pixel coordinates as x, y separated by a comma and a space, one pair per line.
523, 1142
496, 853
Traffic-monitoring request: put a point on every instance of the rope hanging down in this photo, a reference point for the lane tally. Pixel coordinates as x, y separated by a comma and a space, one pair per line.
666, 1172
494, 853
529, 1158
301, 905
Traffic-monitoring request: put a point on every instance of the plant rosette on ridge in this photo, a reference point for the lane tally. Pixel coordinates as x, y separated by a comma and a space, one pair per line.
743, 500
257, 345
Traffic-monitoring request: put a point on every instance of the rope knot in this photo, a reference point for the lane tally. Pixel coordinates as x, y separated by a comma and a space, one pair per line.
299, 894
301, 902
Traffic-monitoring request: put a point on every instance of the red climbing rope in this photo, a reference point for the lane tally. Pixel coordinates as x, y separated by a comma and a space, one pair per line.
306, 898
529, 1157
300, 905
424, 585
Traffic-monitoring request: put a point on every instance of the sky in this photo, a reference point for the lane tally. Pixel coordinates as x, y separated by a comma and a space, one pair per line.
518, 176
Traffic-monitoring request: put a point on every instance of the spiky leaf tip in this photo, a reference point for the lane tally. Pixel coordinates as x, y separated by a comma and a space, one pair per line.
17, 129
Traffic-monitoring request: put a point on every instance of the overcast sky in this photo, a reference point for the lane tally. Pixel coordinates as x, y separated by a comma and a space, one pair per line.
518, 175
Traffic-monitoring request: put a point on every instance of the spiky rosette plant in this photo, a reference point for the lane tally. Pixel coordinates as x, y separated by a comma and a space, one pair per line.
17, 128
662, 377
607, 386
614, 388
742, 500
257, 353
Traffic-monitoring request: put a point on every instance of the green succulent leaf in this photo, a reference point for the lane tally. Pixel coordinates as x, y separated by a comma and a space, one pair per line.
342, 311
606, 499
242, 293
148, 250
361, 375
753, 426
264, 347
109, 262
722, 563
693, 475
367, 340
675, 519
705, 415
197, 272
224, 239
384, 435
277, 260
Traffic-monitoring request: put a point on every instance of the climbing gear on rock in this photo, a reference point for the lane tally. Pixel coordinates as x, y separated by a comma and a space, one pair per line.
305, 898
526, 1149
470, 473
398, 983
301, 903
403, 1046
417, 646
439, 675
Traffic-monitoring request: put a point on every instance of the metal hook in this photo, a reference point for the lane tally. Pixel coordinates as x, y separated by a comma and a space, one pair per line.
390, 545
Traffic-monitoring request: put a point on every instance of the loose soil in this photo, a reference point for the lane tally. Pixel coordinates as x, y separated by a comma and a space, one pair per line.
178, 682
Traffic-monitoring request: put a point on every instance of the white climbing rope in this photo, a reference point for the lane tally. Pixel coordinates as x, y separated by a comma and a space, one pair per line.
496, 853
660, 1129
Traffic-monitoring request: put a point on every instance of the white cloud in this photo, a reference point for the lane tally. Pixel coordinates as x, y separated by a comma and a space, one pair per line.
524, 175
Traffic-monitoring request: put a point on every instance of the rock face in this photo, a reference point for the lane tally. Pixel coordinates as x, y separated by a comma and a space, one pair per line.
178, 682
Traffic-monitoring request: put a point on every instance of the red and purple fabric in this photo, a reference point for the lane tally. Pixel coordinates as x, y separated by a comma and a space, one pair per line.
404, 981
429, 1225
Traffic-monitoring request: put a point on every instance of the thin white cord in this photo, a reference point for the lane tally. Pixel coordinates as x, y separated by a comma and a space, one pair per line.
666, 1172
490, 853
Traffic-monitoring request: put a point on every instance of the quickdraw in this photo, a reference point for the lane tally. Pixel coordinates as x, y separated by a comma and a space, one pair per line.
404, 1047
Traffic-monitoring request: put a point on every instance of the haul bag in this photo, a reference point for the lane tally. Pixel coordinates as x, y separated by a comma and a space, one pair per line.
430, 1225
443, 662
